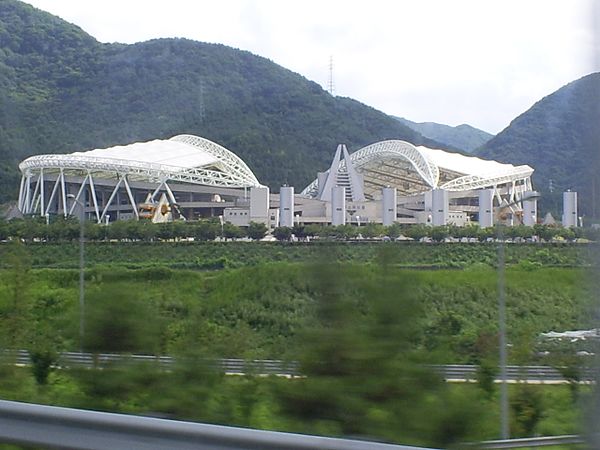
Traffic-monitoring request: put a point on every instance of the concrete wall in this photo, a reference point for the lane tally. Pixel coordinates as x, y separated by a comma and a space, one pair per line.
389, 207
286, 206
486, 208
338, 205
439, 207
530, 209
259, 205
569, 218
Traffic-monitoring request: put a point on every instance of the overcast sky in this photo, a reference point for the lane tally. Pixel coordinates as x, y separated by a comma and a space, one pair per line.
481, 62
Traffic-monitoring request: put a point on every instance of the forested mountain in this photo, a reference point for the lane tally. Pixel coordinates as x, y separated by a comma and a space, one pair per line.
464, 137
559, 137
62, 91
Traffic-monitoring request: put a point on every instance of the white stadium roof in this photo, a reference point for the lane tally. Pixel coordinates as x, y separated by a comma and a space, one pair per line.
184, 158
396, 163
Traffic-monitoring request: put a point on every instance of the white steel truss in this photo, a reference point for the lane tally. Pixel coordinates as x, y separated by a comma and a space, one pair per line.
429, 169
228, 171
213, 166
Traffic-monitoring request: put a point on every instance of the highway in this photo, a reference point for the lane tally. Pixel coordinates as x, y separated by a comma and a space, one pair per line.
450, 372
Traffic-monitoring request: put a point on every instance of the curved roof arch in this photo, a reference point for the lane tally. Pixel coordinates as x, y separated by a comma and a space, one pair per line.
435, 168
395, 149
184, 158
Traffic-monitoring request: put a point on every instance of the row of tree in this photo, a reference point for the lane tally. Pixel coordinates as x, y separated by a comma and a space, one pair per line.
68, 229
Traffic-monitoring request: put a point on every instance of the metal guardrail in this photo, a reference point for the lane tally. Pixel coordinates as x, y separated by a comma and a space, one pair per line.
547, 441
450, 372
67, 428
541, 374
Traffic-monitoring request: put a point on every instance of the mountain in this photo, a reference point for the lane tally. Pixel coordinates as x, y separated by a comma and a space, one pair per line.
464, 137
63, 91
559, 137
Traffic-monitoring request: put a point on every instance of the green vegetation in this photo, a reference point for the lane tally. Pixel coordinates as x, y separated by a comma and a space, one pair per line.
463, 137
361, 332
62, 91
220, 255
257, 310
361, 325
558, 137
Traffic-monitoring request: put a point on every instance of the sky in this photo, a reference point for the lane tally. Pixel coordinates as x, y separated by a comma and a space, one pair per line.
481, 62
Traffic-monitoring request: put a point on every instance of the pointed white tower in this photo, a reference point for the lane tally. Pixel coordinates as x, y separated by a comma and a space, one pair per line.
341, 174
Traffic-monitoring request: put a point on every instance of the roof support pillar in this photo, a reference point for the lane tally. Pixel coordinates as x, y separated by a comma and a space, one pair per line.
81, 188
32, 206
27, 195
156, 191
110, 199
170, 193
131, 199
42, 193
52, 195
63, 190
94, 199
21, 193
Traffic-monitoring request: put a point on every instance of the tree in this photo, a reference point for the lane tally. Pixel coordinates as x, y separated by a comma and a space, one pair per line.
394, 231
120, 321
299, 231
231, 231
485, 233
313, 230
15, 309
118, 230
527, 409
206, 230
257, 230
282, 233
364, 373
544, 232
417, 232
438, 234
372, 230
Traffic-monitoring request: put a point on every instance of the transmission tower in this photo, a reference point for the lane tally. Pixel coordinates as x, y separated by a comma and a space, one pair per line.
202, 110
330, 84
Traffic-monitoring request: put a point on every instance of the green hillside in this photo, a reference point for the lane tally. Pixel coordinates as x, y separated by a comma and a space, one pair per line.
62, 91
559, 138
464, 137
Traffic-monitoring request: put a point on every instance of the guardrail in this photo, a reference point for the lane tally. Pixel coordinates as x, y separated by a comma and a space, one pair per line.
67, 428
531, 374
450, 372
547, 441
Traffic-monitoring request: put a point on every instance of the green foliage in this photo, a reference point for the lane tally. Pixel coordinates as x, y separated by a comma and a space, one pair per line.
120, 320
362, 330
527, 410
62, 91
463, 137
559, 138
361, 358
282, 233
256, 230
41, 364
15, 304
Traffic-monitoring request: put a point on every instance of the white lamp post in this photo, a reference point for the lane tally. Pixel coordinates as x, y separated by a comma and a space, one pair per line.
81, 271
504, 426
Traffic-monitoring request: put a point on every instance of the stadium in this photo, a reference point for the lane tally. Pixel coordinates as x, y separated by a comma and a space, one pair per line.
188, 177
158, 179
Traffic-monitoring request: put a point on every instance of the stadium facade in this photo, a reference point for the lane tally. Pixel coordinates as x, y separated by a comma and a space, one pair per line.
189, 177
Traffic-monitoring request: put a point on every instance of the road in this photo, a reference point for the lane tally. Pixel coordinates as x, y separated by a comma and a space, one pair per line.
450, 372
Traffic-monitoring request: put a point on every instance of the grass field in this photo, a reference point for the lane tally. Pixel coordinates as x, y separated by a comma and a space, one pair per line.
361, 319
